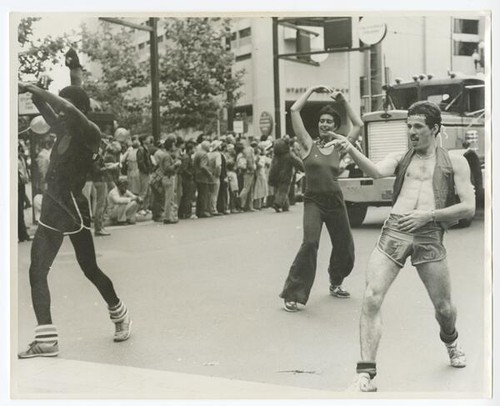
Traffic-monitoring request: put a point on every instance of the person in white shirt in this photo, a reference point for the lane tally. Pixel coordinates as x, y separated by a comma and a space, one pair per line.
123, 203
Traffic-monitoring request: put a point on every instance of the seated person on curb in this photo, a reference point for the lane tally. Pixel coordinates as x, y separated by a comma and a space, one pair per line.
122, 203
424, 206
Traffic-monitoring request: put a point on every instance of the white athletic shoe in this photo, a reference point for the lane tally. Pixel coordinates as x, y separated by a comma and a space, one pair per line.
362, 383
457, 355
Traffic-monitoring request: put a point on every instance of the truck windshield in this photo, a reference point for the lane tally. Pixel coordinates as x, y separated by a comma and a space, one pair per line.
403, 98
447, 97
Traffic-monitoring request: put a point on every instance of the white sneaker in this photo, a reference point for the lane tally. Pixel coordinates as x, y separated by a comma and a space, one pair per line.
35, 349
362, 383
457, 355
123, 329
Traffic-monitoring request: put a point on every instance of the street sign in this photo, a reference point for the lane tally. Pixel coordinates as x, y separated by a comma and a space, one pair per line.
266, 123
26, 106
238, 127
372, 30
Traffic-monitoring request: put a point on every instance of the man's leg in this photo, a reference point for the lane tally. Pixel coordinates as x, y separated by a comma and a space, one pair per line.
380, 274
45, 246
436, 278
119, 213
85, 255
205, 200
101, 189
131, 211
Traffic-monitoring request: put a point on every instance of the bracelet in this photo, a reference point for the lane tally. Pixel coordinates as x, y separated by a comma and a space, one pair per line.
433, 215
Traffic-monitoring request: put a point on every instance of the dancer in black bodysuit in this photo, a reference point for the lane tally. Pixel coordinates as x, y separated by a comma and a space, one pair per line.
65, 212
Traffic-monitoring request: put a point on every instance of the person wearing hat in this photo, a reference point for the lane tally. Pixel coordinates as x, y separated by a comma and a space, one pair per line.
122, 203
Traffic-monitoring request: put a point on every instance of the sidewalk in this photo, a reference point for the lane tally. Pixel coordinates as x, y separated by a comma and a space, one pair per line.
56, 378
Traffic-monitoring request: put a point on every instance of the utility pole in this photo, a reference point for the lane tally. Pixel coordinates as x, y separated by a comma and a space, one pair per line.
155, 77
155, 80
276, 71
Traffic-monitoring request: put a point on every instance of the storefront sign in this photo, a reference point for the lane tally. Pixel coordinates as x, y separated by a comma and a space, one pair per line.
266, 123
300, 90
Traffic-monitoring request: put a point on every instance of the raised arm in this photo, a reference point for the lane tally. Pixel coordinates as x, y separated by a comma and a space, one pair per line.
381, 169
45, 110
57, 103
303, 137
357, 123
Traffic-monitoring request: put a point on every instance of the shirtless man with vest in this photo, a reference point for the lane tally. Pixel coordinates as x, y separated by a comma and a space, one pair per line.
424, 205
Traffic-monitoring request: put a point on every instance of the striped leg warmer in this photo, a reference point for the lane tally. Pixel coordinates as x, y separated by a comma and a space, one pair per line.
46, 333
118, 313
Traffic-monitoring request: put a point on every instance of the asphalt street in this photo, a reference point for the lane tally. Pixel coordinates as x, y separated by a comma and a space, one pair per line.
203, 296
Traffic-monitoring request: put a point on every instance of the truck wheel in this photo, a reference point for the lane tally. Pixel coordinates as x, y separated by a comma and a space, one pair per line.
463, 223
356, 213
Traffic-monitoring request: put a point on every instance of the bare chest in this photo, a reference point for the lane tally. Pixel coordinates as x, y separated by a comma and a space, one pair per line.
421, 169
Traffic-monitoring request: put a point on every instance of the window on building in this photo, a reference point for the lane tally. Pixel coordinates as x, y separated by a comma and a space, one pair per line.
233, 36
142, 45
462, 26
246, 32
464, 48
160, 38
239, 58
338, 31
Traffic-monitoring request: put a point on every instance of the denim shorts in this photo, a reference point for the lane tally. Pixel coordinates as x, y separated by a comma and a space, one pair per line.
423, 245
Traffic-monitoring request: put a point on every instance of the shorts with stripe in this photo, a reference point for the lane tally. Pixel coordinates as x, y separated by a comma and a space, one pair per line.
423, 245
67, 212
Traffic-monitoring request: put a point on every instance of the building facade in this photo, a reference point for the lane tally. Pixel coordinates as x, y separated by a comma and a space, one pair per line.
413, 45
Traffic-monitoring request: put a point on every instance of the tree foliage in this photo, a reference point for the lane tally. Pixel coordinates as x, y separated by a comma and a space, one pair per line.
195, 72
36, 52
112, 48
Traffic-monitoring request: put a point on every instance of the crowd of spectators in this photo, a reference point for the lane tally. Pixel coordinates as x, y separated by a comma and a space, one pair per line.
175, 178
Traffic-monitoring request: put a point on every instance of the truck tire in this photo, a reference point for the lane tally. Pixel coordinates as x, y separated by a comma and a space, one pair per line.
464, 223
356, 213
476, 177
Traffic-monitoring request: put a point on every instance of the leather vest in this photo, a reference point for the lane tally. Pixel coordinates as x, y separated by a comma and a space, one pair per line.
443, 183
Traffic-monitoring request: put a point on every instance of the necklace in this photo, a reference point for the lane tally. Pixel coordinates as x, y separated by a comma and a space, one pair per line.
424, 156
321, 143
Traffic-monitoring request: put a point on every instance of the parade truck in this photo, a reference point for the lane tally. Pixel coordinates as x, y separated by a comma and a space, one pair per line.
461, 100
